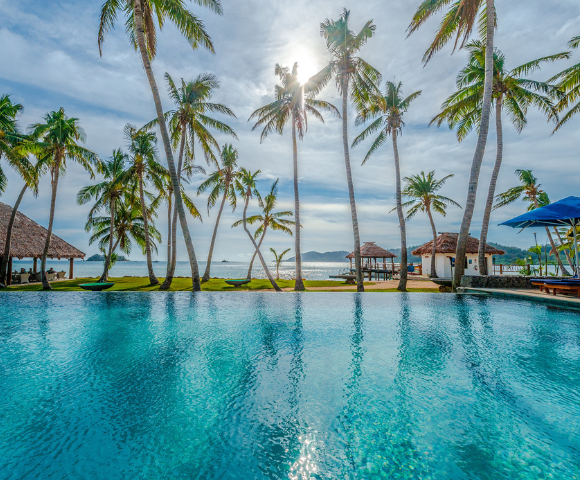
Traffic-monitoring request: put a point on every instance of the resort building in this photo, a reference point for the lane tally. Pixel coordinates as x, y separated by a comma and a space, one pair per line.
445, 247
28, 240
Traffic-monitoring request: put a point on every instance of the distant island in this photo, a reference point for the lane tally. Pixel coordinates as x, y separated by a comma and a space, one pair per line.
101, 258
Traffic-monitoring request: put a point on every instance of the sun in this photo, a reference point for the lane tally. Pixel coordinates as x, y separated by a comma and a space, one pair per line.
306, 68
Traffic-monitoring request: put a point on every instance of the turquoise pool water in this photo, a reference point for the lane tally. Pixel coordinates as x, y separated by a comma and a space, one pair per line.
262, 385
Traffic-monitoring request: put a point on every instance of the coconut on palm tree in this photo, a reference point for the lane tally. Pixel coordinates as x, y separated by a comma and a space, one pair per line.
458, 24
388, 110
568, 82
140, 26
529, 190
54, 142
245, 184
294, 102
279, 257
422, 191
220, 183
354, 77
268, 218
512, 92
143, 168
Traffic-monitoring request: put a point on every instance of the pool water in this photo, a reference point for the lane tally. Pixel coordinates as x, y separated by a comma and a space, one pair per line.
263, 385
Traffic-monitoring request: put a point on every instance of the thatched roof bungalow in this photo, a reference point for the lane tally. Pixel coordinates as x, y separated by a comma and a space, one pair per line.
370, 251
445, 247
28, 239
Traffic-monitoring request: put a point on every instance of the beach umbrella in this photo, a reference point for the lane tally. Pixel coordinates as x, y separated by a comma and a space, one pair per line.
564, 213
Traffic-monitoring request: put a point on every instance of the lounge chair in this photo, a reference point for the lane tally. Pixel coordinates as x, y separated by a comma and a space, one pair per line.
61, 275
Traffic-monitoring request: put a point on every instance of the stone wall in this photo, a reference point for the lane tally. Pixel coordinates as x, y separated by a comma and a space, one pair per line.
500, 281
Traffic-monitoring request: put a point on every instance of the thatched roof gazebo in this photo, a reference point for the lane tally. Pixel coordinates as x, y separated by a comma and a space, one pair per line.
447, 243
28, 239
370, 251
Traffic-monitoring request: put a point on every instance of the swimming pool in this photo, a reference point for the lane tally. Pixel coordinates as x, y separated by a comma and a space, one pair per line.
262, 385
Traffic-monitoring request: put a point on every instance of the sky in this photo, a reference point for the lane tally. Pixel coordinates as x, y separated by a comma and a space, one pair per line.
50, 59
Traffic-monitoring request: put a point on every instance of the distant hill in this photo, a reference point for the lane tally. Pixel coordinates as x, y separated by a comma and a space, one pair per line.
101, 258
322, 257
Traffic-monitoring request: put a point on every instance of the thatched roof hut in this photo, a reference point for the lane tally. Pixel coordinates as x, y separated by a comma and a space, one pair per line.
28, 238
371, 250
447, 243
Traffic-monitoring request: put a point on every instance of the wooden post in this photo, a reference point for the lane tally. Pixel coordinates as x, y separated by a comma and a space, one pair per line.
500, 268
9, 277
35, 265
71, 268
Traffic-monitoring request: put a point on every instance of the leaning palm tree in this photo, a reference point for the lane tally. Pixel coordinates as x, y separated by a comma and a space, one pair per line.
529, 190
54, 142
356, 77
246, 186
268, 219
569, 83
279, 257
143, 167
422, 192
512, 93
221, 182
459, 22
390, 109
293, 103
140, 26
106, 194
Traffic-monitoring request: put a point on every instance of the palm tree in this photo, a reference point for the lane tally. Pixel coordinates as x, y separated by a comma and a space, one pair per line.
222, 181
140, 26
293, 103
356, 77
268, 218
8, 129
569, 83
390, 109
245, 184
459, 22
144, 167
529, 190
54, 142
511, 92
422, 190
279, 258
106, 194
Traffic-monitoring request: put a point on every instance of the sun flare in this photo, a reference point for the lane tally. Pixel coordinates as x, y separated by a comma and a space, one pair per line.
306, 68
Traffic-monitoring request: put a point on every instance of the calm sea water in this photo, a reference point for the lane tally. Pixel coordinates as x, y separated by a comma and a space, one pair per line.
273, 386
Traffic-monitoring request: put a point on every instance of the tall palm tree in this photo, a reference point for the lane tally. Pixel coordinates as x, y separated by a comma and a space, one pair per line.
390, 109
268, 219
529, 190
511, 92
140, 26
55, 141
8, 130
246, 185
144, 167
279, 257
569, 83
422, 192
459, 22
293, 103
106, 194
356, 77
221, 182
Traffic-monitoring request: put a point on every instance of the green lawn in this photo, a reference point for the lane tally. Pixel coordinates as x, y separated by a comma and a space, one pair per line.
141, 284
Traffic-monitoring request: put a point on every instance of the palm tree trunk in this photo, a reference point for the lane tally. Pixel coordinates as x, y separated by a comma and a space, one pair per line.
299, 285
213, 237
403, 269
169, 237
4, 264
152, 277
491, 192
434, 248
460, 254
140, 36
255, 253
359, 277
105, 275
566, 252
264, 266
55, 173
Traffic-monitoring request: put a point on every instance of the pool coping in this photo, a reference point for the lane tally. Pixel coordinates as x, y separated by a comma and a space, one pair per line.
531, 295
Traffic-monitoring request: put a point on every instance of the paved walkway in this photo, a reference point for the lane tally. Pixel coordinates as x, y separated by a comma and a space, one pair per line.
567, 301
378, 285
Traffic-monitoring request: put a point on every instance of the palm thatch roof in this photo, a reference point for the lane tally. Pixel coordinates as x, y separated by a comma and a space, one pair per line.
370, 250
28, 238
447, 243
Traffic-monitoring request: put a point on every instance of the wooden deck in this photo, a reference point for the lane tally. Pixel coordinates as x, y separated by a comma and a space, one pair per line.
565, 301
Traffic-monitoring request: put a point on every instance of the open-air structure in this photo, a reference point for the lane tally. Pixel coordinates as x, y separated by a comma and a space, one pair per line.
374, 260
28, 240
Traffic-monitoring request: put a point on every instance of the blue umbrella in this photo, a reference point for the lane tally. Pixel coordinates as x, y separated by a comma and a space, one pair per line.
564, 213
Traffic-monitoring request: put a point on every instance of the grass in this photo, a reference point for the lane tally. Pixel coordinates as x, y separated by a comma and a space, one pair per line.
141, 284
